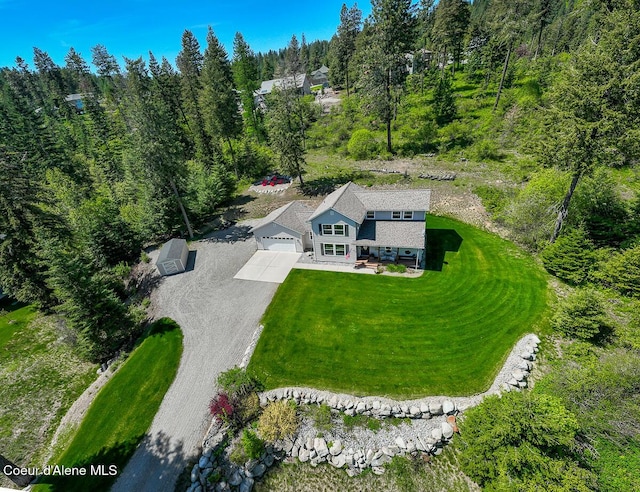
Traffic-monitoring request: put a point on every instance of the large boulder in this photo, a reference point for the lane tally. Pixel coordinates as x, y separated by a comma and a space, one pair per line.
320, 445
338, 461
336, 448
447, 430
436, 433
448, 407
435, 408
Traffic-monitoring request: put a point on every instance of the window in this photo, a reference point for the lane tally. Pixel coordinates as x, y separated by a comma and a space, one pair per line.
371, 214
407, 215
334, 249
396, 215
334, 229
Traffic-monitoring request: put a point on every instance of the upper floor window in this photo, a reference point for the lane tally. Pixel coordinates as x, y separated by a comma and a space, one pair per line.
402, 214
371, 214
334, 229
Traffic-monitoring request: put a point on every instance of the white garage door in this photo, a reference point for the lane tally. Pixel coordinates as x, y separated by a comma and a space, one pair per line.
279, 244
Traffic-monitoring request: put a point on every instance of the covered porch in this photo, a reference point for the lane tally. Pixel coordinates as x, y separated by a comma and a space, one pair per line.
390, 242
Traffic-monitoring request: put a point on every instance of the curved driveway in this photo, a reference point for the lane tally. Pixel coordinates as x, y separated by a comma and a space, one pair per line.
218, 316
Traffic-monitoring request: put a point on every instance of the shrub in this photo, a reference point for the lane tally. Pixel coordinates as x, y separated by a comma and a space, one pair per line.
581, 315
487, 150
221, 407
247, 408
321, 416
252, 444
144, 257
621, 272
523, 439
236, 382
570, 257
362, 145
279, 420
396, 268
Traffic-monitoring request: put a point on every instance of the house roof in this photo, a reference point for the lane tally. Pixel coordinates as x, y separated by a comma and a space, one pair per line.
344, 201
353, 201
293, 215
392, 233
267, 86
172, 250
395, 199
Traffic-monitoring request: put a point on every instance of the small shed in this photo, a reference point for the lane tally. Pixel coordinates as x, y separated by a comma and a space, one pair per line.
173, 257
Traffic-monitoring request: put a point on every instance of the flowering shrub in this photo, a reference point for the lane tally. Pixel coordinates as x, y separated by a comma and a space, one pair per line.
221, 407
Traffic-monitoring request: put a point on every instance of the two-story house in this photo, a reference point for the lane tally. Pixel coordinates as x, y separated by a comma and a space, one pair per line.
351, 223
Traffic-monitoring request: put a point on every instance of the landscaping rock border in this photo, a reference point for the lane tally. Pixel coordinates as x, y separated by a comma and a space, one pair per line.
214, 472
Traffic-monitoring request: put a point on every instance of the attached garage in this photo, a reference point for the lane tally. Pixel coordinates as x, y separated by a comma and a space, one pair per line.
173, 257
285, 229
279, 244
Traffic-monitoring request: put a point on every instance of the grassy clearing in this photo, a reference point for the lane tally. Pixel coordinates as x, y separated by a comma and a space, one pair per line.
40, 378
445, 333
122, 411
402, 475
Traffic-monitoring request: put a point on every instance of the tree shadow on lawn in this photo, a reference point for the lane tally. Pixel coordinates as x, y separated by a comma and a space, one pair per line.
158, 454
439, 241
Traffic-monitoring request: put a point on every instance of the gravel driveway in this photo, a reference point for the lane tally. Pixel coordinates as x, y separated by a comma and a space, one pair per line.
218, 316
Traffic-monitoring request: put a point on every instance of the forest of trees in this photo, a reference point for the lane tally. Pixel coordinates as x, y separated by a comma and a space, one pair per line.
153, 149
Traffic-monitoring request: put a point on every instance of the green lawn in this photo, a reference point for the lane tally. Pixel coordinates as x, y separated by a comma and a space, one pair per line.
445, 333
122, 412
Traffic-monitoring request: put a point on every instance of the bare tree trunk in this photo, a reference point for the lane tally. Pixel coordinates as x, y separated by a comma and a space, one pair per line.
389, 102
564, 207
184, 212
535, 55
504, 74
19, 480
347, 77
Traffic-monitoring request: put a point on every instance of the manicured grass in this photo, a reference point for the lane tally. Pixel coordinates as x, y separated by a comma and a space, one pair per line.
12, 319
122, 411
445, 333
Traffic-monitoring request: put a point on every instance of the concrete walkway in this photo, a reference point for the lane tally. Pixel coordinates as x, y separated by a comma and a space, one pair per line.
218, 316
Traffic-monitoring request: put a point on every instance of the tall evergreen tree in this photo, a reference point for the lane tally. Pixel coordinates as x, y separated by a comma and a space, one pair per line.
189, 62
344, 44
219, 100
451, 19
245, 74
392, 36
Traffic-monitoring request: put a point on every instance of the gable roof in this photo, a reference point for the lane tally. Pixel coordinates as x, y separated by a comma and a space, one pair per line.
353, 201
267, 86
293, 215
172, 250
344, 201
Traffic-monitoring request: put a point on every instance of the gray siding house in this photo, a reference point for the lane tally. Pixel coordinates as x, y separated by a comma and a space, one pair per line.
173, 257
285, 229
355, 223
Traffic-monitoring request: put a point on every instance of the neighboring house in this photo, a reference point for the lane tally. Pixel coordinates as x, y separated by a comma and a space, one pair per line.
354, 222
320, 77
302, 83
285, 229
173, 257
75, 101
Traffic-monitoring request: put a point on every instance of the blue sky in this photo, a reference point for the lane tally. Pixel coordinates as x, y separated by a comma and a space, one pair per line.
134, 27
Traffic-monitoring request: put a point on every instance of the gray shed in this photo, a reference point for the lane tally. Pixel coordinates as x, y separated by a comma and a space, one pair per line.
173, 257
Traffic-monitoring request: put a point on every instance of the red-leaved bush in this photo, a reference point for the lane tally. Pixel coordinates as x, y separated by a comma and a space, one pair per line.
221, 407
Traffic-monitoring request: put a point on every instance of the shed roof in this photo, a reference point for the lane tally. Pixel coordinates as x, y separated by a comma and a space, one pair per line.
392, 233
293, 215
172, 250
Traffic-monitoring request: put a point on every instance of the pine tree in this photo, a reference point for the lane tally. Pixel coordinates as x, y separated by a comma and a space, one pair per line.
219, 100
444, 103
391, 38
245, 74
344, 43
189, 62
